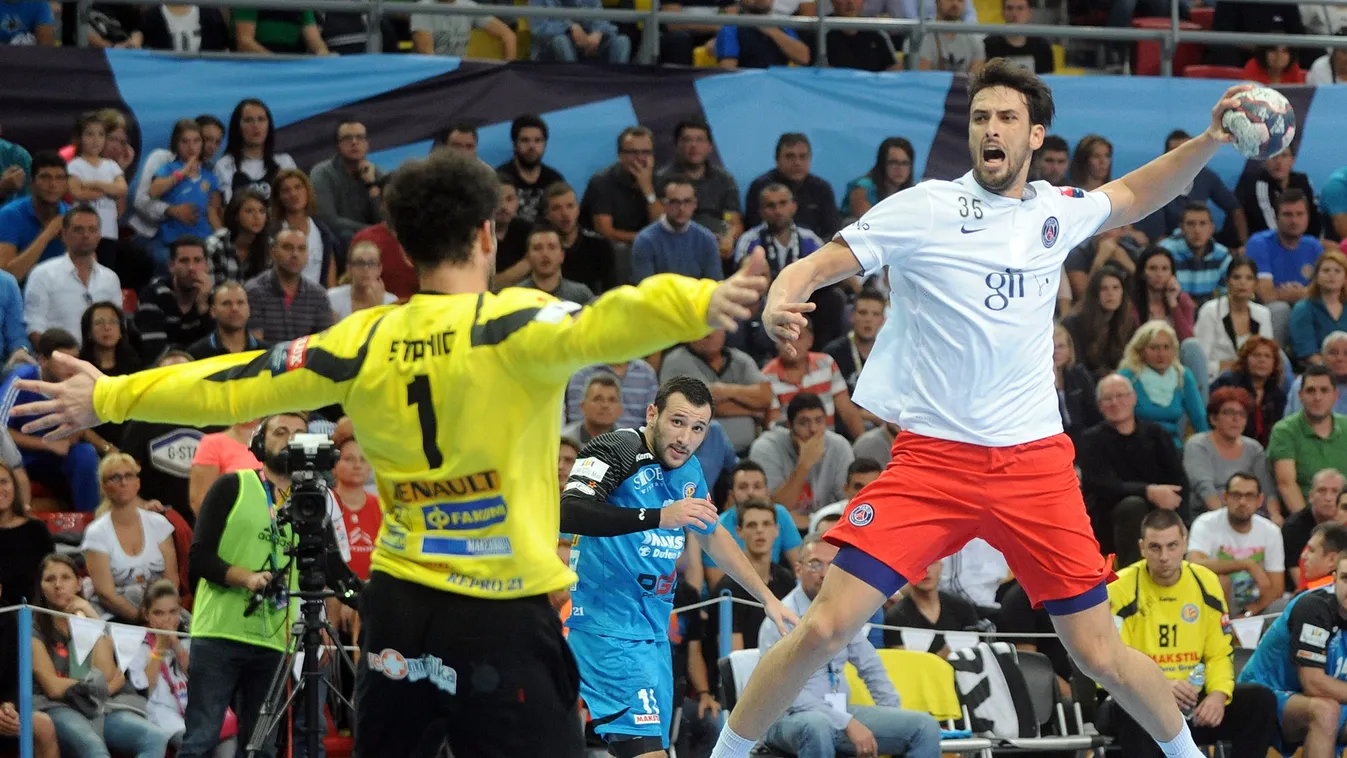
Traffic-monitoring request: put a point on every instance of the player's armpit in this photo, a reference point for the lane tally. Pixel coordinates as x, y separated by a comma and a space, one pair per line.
622, 324
303, 374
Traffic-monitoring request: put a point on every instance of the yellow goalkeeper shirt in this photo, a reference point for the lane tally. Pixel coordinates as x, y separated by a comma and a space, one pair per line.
456, 401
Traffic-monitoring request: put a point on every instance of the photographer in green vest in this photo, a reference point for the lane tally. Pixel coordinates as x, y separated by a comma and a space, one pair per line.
241, 622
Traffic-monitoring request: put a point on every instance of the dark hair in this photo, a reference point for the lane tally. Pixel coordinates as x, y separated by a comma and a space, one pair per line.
125, 358
603, 379
1056, 144
746, 464
437, 205
791, 138
803, 401
571, 442
878, 172
186, 240
507, 178
82, 122
776, 187
343, 121
227, 284
205, 120
1291, 195
1105, 334
1160, 519
45, 622
75, 210
694, 390
675, 178
752, 505
1241, 261
1316, 369
557, 189
49, 159
1140, 288
697, 123
156, 591
259, 252
634, 131
1002, 73
1224, 395
1080, 160
1196, 206
461, 127
869, 293
542, 227
1177, 134
234, 146
1334, 536
527, 121
181, 127
55, 339
1244, 475
864, 466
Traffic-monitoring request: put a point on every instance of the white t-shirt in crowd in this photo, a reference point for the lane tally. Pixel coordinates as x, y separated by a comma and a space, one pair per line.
974, 573
966, 352
184, 30
340, 297
168, 699
130, 573
1213, 536
106, 171
254, 169
1321, 71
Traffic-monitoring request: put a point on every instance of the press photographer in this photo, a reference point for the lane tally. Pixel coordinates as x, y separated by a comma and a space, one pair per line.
239, 560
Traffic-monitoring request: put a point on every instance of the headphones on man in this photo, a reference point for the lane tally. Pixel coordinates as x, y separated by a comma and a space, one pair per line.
257, 444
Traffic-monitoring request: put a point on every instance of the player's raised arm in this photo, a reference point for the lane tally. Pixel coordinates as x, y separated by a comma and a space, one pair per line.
1140, 193
303, 374
788, 299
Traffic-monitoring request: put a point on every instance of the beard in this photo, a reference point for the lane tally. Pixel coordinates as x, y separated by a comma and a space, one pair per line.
999, 183
526, 161
278, 461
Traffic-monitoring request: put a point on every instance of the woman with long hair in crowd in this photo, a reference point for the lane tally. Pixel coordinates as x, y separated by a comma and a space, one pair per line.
1225, 323
1211, 458
127, 546
1091, 163
1258, 369
1159, 296
240, 250
1102, 323
98, 181
1322, 312
105, 341
892, 173
362, 285
1274, 64
185, 181
1075, 387
250, 159
160, 665
24, 541
89, 722
1166, 390
294, 205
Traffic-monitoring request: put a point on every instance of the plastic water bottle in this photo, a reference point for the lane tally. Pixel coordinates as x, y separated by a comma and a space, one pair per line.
1198, 679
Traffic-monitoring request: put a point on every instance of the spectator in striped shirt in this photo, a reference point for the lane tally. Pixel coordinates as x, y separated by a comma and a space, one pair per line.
780, 237
1200, 262
639, 385
601, 408
816, 373
284, 304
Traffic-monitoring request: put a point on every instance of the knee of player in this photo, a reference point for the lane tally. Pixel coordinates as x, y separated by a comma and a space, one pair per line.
1325, 714
820, 629
1101, 661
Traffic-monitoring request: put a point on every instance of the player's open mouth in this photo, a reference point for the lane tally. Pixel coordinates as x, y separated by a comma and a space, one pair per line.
993, 155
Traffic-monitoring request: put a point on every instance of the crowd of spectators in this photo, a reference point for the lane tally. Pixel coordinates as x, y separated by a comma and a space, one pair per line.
1198, 368
191, 29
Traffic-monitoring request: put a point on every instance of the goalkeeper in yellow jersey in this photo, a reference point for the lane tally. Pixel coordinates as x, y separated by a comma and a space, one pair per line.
455, 397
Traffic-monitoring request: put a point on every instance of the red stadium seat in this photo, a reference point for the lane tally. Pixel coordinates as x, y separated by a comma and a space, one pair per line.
1203, 17
1146, 61
129, 301
1214, 72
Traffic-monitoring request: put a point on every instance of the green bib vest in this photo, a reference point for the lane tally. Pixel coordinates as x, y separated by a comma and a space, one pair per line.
249, 540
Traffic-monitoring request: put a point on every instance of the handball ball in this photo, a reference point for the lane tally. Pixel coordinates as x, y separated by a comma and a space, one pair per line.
1263, 124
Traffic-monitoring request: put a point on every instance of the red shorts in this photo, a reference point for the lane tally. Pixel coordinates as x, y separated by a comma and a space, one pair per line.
936, 495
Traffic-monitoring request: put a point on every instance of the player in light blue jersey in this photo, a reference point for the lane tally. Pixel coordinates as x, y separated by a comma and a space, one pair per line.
631, 493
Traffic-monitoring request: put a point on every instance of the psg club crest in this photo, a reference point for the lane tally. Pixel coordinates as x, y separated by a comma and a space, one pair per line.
1050, 231
1071, 192
862, 515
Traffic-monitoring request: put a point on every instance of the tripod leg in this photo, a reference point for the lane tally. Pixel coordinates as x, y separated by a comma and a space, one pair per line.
273, 709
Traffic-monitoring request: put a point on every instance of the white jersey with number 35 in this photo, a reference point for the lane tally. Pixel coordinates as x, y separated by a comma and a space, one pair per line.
966, 353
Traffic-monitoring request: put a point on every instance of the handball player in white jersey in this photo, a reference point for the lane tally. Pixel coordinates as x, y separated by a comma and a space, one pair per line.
964, 366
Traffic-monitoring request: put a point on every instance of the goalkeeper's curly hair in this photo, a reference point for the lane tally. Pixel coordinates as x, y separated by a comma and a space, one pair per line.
437, 205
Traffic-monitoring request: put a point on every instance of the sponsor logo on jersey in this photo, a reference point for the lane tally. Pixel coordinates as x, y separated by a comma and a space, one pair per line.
644, 479
1226, 628
397, 667
413, 493
485, 547
656, 586
1314, 636
667, 546
862, 515
1306, 655
297, 353
1189, 614
689, 489
1071, 192
646, 718
644, 457
592, 469
513, 584
579, 487
474, 514
1051, 230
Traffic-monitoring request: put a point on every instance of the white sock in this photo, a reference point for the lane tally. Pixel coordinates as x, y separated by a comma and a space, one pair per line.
731, 745
1182, 746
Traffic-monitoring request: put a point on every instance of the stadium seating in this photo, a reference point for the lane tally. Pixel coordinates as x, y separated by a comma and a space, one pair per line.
1202, 71
1146, 61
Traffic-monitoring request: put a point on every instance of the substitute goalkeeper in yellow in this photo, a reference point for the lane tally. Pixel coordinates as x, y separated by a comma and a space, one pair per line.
455, 397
